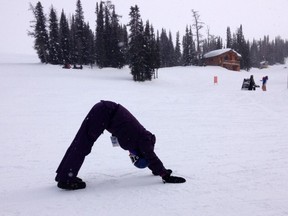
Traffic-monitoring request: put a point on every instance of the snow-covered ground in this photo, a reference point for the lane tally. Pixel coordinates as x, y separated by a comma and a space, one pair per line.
230, 145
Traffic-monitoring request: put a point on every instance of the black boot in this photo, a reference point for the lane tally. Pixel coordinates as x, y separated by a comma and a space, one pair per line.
71, 184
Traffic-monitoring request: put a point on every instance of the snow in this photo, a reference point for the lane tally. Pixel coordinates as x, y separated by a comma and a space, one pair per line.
230, 145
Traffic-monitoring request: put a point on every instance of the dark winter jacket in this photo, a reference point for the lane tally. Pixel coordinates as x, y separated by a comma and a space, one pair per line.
132, 135
252, 83
264, 80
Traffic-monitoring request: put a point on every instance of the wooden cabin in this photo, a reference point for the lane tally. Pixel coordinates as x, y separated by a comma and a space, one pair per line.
227, 58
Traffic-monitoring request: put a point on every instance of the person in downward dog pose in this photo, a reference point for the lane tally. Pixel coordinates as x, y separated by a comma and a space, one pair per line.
126, 132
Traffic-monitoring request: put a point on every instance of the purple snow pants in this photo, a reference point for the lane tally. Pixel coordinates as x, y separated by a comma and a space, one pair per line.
92, 127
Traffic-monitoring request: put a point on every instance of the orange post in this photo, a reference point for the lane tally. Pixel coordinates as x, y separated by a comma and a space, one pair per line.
215, 80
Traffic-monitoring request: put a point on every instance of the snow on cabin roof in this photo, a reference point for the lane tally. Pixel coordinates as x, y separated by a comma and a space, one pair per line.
219, 52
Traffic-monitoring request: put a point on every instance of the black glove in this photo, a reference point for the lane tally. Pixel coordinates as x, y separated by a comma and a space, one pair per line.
172, 179
169, 171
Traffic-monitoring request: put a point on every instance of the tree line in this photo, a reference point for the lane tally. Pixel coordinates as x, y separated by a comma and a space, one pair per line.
62, 41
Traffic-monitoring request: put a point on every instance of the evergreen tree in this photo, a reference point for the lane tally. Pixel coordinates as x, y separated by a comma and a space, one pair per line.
178, 55
54, 39
136, 45
254, 54
246, 56
166, 50
65, 42
219, 43
279, 50
243, 48
286, 48
206, 45
239, 39
235, 45
99, 42
212, 43
40, 33
117, 56
171, 51
79, 33
123, 43
188, 47
147, 51
266, 50
155, 51
185, 57
74, 53
228, 38
109, 37
207, 42
88, 45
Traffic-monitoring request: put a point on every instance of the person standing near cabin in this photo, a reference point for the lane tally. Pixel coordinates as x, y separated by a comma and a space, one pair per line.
264, 82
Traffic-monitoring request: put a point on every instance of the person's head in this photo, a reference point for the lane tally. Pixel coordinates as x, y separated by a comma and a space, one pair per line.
137, 160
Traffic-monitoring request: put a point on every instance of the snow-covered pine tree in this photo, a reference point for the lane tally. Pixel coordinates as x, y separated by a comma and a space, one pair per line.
117, 56
178, 55
79, 33
228, 38
188, 47
107, 34
154, 51
279, 46
74, 55
123, 42
165, 49
40, 33
54, 39
254, 54
108, 37
136, 45
148, 64
65, 43
243, 48
88, 45
99, 41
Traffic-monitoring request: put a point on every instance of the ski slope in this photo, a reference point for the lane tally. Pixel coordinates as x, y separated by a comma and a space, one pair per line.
230, 145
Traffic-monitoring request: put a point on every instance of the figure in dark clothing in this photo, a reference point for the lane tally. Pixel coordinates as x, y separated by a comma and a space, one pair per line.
252, 85
125, 130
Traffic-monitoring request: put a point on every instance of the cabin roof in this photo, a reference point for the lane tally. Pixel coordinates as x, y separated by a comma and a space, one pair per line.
220, 52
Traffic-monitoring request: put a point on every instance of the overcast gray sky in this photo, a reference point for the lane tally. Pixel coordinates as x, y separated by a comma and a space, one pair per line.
258, 17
